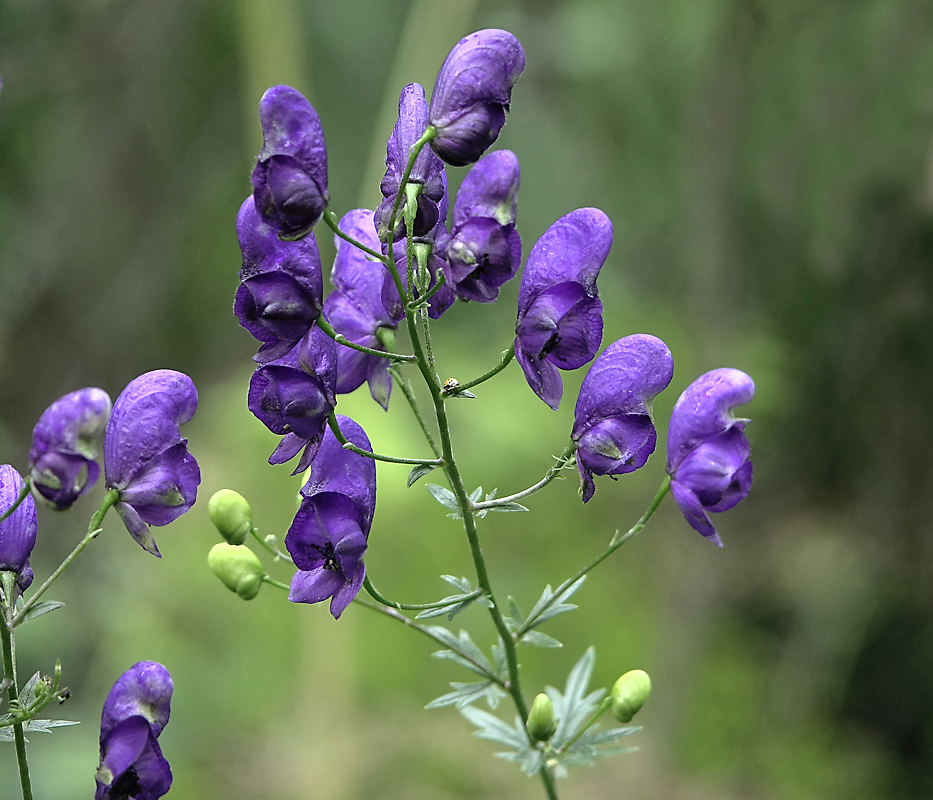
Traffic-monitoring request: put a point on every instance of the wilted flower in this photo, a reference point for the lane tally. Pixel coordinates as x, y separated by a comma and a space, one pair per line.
290, 176
485, 250
294, 395
328, 537
355, 309
282, 286
613, 425
18, 531
707, 451
472, 94
136, 710
560, 323
63, 459
145, 457
428, 169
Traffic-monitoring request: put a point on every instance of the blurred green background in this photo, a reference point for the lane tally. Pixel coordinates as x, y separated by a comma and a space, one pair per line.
767, 167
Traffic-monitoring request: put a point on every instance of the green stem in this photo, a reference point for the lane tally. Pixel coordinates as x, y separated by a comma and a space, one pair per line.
9, 671
439, 280
548, 780
274, 550
379, 597
325, 326
615, 544
23, 493
93, 531
504, 360
405, 385
562, 461
348, 445
596, 715
331, 219
273, 582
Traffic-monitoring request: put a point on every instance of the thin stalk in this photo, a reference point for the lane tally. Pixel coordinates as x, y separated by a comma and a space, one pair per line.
596, 715
562, 461
331, 219
9, 670
93, 531
404, 384
379, 597
504, 360
348, 445
274, 550
325, 326
439, 280
615, 544
273, 582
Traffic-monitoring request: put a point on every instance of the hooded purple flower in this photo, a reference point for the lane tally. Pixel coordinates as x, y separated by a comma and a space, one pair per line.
472, 94
613, 426
132, 766
145, 457
282, 285
428, 169
18, 531
485, 250
290, 177
355, 309
707, 451
63, 458
294, 395
328, 536
560, 323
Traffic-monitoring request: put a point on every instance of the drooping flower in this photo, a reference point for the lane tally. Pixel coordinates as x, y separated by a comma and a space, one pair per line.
613, 424
560, 323
472, 94
294, 395
281, 285
290, 176
707, 450
63, 459
18, 531
428, 169
136, 710
328, 536
485, 250
145, 457
355, 309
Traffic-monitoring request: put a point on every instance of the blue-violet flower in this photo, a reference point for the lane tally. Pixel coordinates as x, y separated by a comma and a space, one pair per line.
282, 285
63, 459
472, 94
329, 534
560, 323
136, 710
18, 531
290, 177
707, 450
145, 457
613, 425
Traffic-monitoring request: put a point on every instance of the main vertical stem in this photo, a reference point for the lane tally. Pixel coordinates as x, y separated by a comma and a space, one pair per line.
9, 670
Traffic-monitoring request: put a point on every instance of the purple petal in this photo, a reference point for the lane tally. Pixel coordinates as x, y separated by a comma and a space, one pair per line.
355, 274
132, 766
483, 255
693, 511
350, 589
137, 528
709, 469
380, 381
18, 531
145, 689
326, 518
563, 324
489, 189
542, 376
165, 487
315, 585
437, 304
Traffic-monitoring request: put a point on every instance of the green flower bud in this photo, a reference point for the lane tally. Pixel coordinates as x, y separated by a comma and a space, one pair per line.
231, 515
238, 567
541, 720
629, 693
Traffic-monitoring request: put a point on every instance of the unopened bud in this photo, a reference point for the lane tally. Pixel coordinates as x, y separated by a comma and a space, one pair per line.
238, 567
629, 693
541, 720
231, 515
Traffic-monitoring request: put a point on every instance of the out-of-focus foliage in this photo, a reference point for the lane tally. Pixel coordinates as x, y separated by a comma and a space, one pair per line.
766, 168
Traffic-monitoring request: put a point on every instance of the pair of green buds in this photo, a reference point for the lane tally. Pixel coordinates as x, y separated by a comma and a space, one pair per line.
627, 696
235, 564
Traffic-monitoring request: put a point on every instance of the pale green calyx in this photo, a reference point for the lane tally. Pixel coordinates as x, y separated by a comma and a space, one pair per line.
231, 514
238, 567
628, 694
541, 723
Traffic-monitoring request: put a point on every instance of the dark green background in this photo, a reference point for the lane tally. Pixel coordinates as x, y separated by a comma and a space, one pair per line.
767, 168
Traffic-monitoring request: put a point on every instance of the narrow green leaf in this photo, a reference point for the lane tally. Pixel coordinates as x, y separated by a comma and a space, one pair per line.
40, 608
443, 496
507, 507
418, 472
539, 639
476, 494
463, 584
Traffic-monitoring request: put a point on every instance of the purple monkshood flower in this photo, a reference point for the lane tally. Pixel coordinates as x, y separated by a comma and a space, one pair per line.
328, 536
613, 426
560, 323
294, 395
428, 169
282, 285
707, 451
355, 309
472, 94
485, 250
290, 177
136, 710
145, 457
17, 531
63, 459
